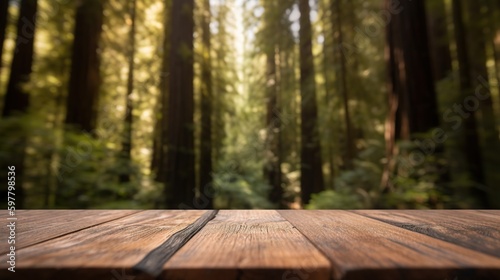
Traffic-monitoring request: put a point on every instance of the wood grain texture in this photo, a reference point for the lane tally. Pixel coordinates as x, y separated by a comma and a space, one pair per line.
364, 248
96, 252
153, 262
247, 244
495, 214
35, 226
467, 228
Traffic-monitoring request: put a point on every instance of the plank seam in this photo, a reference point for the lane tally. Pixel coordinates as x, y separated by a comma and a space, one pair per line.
152, 264
332, 266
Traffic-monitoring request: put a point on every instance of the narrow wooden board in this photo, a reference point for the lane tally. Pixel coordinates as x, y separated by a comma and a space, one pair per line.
363, 248
101, 251
36, 226
466, 228
248, 244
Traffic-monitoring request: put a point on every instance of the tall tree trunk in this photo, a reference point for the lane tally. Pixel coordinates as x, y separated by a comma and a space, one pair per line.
494, 27
471, 147
127, 137
205, 160
329, 103
337, 21
311, 179
4, 15
159, 142
488, 125
179, 173
439, 44
17, 98
477, 38
439, 40
410, 80
85, 78
273, 166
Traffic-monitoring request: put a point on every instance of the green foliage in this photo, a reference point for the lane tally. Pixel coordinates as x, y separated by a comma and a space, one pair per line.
235, 190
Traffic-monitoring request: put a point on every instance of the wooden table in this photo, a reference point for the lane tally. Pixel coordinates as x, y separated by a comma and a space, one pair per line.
253, 244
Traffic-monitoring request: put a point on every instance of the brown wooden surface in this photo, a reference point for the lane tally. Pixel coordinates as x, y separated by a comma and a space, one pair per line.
470, 229
35, 226
255, 244
363, 248
247, 244
96, 251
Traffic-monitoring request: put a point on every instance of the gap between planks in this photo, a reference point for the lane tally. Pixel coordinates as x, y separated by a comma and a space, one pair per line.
248, 244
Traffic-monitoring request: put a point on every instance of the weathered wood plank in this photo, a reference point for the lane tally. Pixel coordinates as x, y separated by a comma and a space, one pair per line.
100, 251
35, 226
363, 248
494, 214
466, 228
253, 244
152, 264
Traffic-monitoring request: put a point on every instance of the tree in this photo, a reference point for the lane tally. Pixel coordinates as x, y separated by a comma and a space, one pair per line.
159, 142
179, 172
439, 40
471, 145
476, 39
311, 179
270, 42
412, 96
127, 137
17, 98
4, 14
205, 159
85, 78
337, 21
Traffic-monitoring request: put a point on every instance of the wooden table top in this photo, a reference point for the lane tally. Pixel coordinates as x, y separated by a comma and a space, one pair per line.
252, 244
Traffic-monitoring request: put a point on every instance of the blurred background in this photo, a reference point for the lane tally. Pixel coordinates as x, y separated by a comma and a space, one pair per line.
250, 103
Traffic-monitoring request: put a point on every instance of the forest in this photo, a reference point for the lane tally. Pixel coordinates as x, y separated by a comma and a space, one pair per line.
236, 104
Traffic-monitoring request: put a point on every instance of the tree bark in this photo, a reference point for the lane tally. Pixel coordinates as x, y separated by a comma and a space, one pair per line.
439, 41
311, 179
4, 15
477, 41
205, 159
329, 102
85, 78
412, 95
273, 156
471, 147
159, 142
179, 176
128, 122
350, 141
17, 98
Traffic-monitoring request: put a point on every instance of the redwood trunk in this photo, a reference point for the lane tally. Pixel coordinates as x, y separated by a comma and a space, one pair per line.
179, 168
17, 98
471, 146
311, 179
205, 160
85, 79
127, 137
